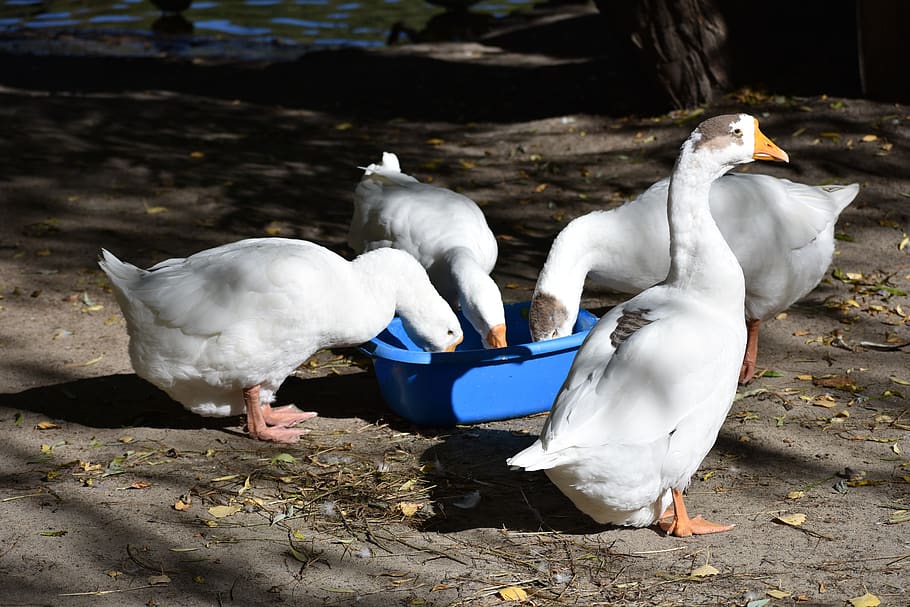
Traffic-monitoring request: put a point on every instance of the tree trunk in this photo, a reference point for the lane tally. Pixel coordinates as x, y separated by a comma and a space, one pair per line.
681, 43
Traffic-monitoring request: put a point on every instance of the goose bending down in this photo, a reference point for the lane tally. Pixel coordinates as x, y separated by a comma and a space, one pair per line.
652, 383
781, 232
219, 331
444, 230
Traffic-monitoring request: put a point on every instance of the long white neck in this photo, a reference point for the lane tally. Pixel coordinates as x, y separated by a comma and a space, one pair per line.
700, 258
584, 242
477, 292
386, 281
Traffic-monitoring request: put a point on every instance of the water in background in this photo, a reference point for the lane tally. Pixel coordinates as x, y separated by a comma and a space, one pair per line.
310, 23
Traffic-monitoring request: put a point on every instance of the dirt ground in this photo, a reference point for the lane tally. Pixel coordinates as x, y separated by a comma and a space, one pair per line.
111, 494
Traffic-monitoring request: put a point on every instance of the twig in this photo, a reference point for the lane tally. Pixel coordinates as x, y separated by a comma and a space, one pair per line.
103, 592
145, 565
430, 550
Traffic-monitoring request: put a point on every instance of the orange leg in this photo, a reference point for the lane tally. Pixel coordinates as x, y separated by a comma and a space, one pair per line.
682, 526
748, 368
258, 426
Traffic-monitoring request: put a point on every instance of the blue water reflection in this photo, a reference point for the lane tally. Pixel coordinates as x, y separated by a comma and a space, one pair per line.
356, 23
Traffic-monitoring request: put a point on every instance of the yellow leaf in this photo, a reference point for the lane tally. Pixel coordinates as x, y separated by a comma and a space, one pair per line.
540, 188
89, 363
896, 448
223, 511
795, 495
778, 594
343, 126
868, 138
197, 154
513, 593
794, 520
408, 508
46, 425
181, 505
705, 571
804, 377
867, 600
435, 141
246, 486
904, 242
225, 478
467, 164
93, 308
900, 381
824, 400
273, 229
155, 210
407, 485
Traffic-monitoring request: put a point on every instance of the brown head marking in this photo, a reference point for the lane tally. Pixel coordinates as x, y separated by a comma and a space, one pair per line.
546, 313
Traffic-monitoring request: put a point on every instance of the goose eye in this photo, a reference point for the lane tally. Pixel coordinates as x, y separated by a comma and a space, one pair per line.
737, 133
451, 333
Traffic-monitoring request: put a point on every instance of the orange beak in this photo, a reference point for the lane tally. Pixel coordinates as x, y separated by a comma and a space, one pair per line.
496, 338
765, 149
454, 345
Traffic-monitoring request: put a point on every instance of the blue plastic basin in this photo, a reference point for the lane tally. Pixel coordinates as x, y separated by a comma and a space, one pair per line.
474, 385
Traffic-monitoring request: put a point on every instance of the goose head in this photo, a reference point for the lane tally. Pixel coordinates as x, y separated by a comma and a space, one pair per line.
722, 142
482, 308
549, 317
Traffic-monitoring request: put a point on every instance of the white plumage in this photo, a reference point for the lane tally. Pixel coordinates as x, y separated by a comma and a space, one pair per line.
220, 331
446, 231
781, 232
651, 385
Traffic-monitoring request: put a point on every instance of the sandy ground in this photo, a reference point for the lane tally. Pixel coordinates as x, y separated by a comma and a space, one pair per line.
111, 494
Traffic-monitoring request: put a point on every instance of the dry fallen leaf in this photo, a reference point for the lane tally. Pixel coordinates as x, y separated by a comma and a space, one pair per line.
181, 505
795, 495
838, 382
159, 580
778, 594
794, 520
223, 511
867, 600
705, 571
513, 593
46, 425
408, 508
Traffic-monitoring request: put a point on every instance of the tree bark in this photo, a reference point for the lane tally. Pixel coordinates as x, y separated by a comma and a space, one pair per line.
681, 43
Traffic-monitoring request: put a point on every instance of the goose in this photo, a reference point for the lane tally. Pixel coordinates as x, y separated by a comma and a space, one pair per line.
781, 232
652, 383
444, 230
220, 331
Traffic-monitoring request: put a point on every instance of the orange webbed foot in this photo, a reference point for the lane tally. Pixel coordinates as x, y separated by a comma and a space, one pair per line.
681, 525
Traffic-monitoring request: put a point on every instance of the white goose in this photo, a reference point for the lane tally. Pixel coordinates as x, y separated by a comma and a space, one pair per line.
652, 383
222, 329
444, 230
781, 232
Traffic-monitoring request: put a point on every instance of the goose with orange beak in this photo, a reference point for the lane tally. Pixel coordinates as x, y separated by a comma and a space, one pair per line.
446, 231
652, 384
